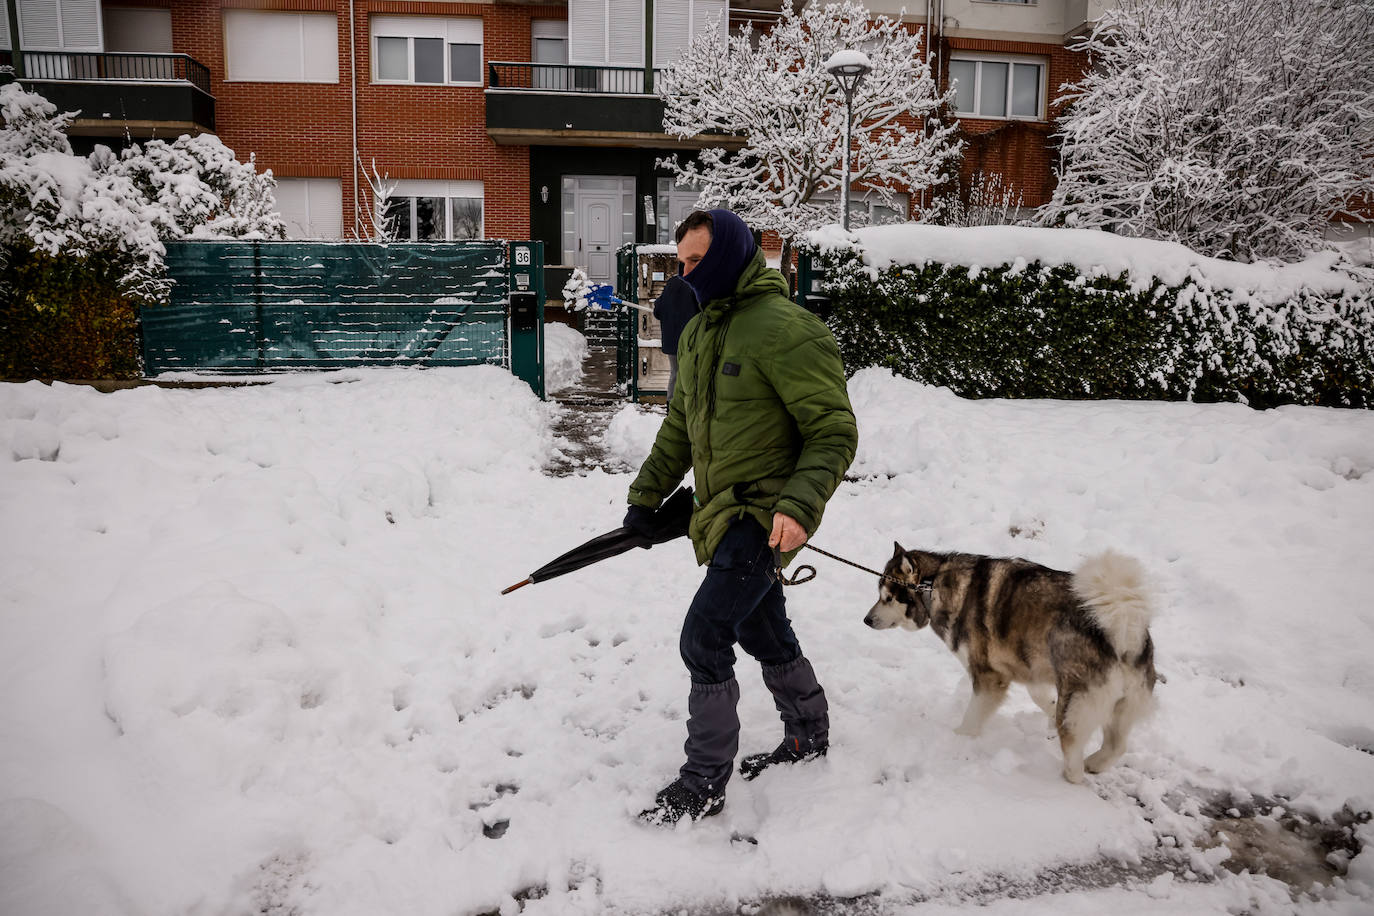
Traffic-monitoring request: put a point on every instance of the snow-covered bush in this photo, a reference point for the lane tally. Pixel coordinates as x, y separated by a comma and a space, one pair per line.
1046, 313
81, 238
1238, 128
791, 114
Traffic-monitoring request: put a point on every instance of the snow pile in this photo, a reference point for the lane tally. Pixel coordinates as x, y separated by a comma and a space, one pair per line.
564, 349
631, 432
1091, 252
256, 660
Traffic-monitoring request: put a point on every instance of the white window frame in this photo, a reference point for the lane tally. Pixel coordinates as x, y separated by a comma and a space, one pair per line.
449, 191
865, 200
452, 30
1011, 60
235, 71
549, 30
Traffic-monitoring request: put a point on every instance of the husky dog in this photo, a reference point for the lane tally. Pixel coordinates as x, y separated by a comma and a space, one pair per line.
1083, 636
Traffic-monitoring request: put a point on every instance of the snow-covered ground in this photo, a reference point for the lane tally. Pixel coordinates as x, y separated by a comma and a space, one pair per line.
255, 660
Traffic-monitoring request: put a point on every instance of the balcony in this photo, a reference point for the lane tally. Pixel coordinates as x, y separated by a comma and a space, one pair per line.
142, 95
578, 105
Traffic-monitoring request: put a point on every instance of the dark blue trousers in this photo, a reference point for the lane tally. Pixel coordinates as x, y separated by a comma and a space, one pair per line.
739, 602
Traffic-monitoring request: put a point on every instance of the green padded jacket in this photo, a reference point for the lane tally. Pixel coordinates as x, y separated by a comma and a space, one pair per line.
761, 414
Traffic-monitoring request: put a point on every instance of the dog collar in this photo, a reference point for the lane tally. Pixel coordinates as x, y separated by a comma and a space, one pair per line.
924, 589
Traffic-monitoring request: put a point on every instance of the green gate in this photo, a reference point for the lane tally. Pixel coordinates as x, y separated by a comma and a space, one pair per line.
263, 306
626, 337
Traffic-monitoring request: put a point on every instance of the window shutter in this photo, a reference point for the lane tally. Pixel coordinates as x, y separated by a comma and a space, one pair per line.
587, 31
320, 47
625, 32
672, 30
147, 30
80, 24
5, 33
38, 25
704, 13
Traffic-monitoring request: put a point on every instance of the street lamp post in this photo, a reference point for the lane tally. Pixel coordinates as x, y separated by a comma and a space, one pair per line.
849, 69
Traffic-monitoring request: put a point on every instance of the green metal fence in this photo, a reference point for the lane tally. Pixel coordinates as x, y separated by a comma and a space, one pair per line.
627, 340
261, 306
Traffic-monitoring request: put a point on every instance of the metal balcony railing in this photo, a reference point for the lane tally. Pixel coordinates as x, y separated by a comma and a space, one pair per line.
569, 78
65, 65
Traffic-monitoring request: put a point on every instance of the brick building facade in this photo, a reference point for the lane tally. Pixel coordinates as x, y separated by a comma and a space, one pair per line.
503, 118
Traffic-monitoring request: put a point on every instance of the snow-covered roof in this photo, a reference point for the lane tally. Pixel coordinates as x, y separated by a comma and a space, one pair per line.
1092, 252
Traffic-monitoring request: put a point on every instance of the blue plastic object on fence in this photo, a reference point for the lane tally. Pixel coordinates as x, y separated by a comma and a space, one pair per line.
603, 296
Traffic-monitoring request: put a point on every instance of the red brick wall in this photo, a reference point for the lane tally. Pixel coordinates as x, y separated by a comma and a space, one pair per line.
1019, 150
304, 130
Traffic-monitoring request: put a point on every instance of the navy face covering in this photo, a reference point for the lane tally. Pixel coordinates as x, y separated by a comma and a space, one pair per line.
732, 248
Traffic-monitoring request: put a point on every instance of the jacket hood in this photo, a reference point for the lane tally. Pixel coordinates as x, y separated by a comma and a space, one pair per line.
757, 279
732, 247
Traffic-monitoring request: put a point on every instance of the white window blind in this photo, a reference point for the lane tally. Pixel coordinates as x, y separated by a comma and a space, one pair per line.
312, 208
625, 32
56, 25
606, 32
281, 47
677, 21
80, 24
40, 26
5, 33
587, 31
146, 30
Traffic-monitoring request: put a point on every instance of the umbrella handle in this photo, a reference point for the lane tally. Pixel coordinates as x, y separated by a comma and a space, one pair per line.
507, 591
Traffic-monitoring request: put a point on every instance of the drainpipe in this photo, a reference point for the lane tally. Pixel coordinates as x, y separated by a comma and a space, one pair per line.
648, 45
353, 89
928, 46
939, 51
16, 55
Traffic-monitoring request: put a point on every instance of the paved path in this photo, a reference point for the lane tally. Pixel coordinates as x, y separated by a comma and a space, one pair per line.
586, 410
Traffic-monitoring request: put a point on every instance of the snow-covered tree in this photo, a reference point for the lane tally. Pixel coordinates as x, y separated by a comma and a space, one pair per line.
111, 213
790, 113
197, 189
1236, 127
375, 220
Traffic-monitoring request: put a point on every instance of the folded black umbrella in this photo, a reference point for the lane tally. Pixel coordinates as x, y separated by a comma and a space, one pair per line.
669, 523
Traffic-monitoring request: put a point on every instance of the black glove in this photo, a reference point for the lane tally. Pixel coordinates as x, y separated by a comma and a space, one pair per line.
640, 520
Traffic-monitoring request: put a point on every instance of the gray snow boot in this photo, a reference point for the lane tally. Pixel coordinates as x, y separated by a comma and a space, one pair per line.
801, 702
712, 742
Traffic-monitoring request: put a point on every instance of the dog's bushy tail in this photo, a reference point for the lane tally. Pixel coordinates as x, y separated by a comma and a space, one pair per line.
1113, 587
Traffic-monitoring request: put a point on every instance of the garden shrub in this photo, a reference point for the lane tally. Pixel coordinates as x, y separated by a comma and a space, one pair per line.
62, 319
1032, 330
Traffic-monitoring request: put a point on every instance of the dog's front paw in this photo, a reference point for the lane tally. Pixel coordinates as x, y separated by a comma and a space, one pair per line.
1073, 775
1098, 762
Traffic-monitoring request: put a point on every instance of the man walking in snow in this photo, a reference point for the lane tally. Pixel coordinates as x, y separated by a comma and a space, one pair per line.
762, 416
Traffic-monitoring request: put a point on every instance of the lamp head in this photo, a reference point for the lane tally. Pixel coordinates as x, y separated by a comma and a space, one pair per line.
848, 68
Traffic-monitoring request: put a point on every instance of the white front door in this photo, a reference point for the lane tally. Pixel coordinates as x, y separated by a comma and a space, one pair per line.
599, 218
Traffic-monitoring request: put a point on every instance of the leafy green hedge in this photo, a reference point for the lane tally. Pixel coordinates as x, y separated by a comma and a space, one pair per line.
61, 318
1036, 331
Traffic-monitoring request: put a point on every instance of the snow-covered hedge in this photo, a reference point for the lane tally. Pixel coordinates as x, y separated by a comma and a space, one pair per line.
81, 236
1021, 312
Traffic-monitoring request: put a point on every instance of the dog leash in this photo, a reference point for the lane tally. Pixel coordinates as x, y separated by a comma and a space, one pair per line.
806, 572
